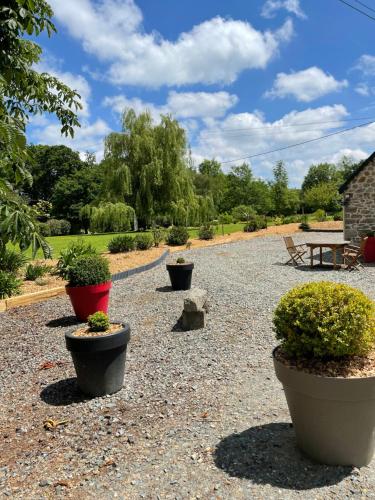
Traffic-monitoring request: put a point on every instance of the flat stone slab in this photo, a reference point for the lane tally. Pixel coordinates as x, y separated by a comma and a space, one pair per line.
195, 300
193, 320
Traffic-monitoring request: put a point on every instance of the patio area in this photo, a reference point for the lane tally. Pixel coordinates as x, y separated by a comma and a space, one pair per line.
201, 414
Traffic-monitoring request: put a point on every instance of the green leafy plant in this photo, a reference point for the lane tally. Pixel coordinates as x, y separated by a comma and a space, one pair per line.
76, 249
338, 216
98, 322
158, 234
34, 271
370, 234
180, 260
11, 261
9, 284
44, 229
255, 223
121, 243
304, 226
178, 235
89, 270
143, 241
278, 221
206, 232
325, 320
320, 215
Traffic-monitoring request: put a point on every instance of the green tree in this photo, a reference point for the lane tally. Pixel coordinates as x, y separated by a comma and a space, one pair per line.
324, 195
319, 174
24, 92
280, 191
210, 181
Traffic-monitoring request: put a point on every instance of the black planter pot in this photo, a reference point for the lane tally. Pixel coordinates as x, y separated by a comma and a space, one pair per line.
99, 361
180, 275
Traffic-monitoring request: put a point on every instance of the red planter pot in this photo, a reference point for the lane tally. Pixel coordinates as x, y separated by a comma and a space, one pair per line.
369, 250
89, 299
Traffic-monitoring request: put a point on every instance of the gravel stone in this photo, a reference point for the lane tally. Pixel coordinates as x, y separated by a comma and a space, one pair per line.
199, 416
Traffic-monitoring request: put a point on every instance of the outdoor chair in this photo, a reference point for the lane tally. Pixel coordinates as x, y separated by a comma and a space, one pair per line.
352, 255
296, 252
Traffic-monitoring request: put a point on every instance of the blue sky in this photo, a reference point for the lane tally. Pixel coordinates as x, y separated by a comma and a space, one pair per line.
242, 77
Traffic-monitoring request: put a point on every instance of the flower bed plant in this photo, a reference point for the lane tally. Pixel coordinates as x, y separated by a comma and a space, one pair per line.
122, 243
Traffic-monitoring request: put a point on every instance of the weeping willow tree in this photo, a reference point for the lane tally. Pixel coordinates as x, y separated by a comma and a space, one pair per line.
199, 210
145, 166
109, 217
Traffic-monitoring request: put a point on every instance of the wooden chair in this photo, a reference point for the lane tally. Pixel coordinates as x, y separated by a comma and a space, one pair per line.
352, 255
296, 252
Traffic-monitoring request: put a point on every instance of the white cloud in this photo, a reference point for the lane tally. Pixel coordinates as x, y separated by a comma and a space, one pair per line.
272, 6
305, 85
366, 64
179, 104
215, 51
245, 134
363, 89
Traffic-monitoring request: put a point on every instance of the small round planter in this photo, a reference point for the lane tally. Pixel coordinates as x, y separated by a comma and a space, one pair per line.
369, 250
99, 361
180, 275
333, 417
89, 299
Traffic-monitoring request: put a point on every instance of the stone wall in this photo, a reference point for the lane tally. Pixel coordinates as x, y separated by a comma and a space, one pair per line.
359, 204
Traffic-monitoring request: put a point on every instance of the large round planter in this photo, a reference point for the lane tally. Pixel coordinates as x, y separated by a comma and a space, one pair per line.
369, 250
99, 361
89, 299
333, 417
180, 275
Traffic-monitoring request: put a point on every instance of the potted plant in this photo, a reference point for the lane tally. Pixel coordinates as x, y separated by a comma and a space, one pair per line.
369, 250
326, 365
89, 285
98, 350
180, 273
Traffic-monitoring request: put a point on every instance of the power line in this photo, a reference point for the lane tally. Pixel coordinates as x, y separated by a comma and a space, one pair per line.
358, 10
271, 127
298, 143
364, 5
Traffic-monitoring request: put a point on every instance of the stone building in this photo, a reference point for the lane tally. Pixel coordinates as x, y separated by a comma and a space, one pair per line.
359, 201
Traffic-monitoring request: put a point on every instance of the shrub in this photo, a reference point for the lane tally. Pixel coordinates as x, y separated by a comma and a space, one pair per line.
143, 241
304, 226
370, 234
255, 223
122, 243
206, 232
180, 260
158, 234
98, 322
178, 235
44, 229
290, 219
242, 213
325, 319
9, 284
11, 261
34, 271
64, 226
338, 216
320, 215
278, 221
54, 227
89, 270
225, 218
67, 257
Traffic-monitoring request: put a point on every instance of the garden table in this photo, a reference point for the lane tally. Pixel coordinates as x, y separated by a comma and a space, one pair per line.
334, 246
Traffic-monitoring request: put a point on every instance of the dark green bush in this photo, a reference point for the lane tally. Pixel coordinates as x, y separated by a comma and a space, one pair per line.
158, 233
9, 284
206, 232
64, 226
98, 322
34, 271
70, 254
44, 229
180, 260
89, 270
143, 241
304, 226
11, 261
122, 243
58, 227
325, 319
178, 235
338, 216
255, 223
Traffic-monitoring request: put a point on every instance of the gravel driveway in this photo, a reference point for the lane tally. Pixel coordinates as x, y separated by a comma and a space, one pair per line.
201, 414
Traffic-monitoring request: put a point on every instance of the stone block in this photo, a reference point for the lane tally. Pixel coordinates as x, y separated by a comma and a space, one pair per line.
193, 320
195, 300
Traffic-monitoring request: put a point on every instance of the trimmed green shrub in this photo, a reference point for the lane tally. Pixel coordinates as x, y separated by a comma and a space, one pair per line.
34, 271
180, 260
122, 243
290, 219
158, 235
44, 229
11, 261
206, 232
325, 320
98, 322
68, 256
338, 216
278, 221
255, 223
320, 215
9, 284
58, 227
89, 270
304, 226
178, 235
64, 226
143, 241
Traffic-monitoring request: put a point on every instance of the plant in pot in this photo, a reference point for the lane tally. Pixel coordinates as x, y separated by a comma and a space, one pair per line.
89, 285
180, 273
369, 249
98, 350
326, 364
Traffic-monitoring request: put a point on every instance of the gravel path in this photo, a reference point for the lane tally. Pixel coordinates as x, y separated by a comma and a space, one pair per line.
201, 414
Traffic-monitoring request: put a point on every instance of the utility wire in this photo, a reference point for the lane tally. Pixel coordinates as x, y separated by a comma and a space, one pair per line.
364, 5
298, 143
358, 10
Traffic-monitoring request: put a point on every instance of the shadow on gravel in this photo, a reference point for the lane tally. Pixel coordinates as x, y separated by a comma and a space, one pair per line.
267, 454
63, 321
164, 289
62, 393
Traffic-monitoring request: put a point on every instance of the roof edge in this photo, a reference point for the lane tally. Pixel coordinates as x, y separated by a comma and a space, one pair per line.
359, 169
